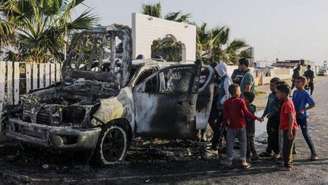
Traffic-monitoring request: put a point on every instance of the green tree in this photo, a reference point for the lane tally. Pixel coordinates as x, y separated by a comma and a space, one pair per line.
155, 10
178, 17
37, 29
214, 45
168, 48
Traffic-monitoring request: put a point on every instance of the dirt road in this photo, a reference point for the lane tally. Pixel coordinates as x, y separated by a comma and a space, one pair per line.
154, 166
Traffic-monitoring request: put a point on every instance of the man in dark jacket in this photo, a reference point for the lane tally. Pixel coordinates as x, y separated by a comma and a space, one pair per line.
296, 74
309, 74
238, 75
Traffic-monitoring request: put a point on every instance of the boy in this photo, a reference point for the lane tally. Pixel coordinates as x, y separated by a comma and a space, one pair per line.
303, 102
288, 124
235, 114
250, 127
272, 111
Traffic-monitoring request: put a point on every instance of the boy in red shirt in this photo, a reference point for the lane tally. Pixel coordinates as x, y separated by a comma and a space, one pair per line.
288, 124
235, 114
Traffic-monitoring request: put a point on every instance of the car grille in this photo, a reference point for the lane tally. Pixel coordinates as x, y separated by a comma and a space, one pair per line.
43, 117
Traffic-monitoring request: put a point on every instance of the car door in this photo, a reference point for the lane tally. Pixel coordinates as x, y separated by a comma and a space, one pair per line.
165, 103
205, 97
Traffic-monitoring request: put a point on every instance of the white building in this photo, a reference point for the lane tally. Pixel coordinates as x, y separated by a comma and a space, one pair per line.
146, 29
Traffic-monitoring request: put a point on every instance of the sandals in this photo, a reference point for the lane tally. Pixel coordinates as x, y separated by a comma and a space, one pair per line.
245, 165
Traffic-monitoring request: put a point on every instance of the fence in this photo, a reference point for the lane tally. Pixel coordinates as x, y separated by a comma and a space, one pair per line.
17, 78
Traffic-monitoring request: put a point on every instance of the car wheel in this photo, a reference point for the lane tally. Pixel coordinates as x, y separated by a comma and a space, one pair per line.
112, 145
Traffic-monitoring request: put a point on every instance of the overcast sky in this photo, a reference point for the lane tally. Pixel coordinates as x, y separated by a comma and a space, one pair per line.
284, 29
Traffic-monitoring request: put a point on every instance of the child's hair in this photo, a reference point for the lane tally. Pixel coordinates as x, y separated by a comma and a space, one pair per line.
281, 83
275, 80
301, 78
250, 96
233, 89
284, 88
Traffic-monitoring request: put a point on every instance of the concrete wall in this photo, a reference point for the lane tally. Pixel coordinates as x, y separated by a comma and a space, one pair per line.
282, 73
146, 29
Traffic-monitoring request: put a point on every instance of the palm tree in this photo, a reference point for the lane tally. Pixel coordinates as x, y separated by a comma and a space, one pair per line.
205, 43
155, 10
213, 45
40, 26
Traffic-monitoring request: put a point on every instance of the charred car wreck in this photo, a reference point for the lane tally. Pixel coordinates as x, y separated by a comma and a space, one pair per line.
103, 104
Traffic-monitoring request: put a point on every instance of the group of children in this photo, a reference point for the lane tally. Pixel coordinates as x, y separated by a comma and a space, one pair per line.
284, 115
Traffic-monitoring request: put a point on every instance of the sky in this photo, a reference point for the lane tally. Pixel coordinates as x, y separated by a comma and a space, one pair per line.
283, 29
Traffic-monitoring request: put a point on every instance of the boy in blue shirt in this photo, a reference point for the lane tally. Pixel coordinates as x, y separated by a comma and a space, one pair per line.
272, 111
303, 102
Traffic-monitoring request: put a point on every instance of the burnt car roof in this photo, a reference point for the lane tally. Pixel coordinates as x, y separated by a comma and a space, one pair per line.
160, 64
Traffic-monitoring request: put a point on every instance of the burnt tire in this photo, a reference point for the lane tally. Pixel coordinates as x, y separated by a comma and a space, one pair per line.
112, 145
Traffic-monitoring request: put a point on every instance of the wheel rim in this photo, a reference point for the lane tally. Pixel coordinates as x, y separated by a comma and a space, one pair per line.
113, 145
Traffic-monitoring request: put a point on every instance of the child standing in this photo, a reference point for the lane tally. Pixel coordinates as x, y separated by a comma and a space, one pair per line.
235, 114
250, 127
272, 111
303, 102
288, 124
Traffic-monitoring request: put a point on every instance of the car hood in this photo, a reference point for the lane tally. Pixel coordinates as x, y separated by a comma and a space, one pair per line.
68, 103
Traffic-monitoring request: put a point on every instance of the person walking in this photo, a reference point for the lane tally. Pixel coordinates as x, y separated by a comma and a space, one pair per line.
303, 102
309, 74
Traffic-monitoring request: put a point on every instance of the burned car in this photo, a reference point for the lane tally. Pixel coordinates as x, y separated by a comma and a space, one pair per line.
91, 109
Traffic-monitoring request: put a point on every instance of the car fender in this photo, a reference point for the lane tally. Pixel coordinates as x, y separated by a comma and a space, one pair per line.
119, 107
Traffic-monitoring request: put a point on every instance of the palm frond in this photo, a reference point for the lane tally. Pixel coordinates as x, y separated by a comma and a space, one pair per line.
178, 17
84, 21
236, 45
172, 16
6, 32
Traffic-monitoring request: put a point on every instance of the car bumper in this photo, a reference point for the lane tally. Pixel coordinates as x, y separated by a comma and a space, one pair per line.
52, 136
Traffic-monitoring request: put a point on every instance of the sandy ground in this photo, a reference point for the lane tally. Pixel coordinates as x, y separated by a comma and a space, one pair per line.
262, 93
173, 163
